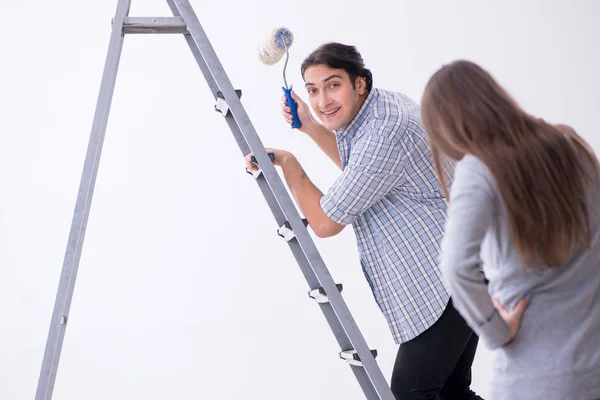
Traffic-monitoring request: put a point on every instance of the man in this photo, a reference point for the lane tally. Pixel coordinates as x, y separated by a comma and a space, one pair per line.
389, 192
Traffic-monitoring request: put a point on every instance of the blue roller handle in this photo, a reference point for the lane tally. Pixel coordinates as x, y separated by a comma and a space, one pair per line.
291, 103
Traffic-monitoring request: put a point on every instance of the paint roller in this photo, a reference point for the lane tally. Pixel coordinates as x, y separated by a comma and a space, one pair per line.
275, 44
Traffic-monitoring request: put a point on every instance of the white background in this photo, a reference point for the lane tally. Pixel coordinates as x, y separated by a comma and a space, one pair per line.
184, 289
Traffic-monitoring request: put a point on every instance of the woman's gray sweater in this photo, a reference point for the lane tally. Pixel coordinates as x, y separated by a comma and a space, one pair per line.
556, 353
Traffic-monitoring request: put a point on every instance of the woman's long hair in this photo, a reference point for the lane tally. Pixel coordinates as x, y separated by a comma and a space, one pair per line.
543, 171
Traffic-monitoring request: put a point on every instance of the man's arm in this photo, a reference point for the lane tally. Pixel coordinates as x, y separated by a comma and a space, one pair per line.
376, 167
308, 198
306, 194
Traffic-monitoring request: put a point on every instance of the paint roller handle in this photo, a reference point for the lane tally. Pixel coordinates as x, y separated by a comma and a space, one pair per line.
291, 103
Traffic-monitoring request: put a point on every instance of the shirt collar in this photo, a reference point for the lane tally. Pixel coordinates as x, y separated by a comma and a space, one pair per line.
361, 117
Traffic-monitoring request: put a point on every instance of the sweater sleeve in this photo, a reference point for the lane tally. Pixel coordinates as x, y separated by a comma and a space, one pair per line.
470, 213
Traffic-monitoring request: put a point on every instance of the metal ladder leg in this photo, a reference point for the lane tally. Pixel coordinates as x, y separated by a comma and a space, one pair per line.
62, 305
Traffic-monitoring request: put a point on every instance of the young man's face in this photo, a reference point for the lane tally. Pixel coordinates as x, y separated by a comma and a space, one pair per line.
332, 96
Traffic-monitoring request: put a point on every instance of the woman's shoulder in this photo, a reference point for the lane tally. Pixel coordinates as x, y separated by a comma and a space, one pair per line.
472, 172
471, 163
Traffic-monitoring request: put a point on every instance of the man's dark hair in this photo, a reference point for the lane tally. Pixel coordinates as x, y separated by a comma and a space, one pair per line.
339, 56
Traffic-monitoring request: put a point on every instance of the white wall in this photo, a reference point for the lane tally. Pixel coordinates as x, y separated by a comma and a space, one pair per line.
184, 289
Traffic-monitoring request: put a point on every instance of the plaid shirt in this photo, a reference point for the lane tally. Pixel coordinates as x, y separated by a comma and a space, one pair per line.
388, 191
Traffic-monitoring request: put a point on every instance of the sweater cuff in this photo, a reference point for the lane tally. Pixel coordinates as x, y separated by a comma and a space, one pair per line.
494, 332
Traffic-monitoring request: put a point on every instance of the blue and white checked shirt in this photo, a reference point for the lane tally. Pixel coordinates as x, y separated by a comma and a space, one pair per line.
388, 191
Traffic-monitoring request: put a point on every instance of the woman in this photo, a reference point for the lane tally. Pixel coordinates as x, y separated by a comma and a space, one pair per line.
524, 202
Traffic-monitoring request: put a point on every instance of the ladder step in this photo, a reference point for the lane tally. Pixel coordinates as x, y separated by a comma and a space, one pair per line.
286, 231
320, 296
221, 105
352, 357
256, 174
255, 162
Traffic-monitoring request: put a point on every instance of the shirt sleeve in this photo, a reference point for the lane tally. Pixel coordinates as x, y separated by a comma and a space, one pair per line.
375, 167
470, 212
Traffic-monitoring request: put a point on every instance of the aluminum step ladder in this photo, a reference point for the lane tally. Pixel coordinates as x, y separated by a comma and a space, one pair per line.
292, 228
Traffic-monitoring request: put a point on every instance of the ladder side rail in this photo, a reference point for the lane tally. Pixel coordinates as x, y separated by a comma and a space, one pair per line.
72, 256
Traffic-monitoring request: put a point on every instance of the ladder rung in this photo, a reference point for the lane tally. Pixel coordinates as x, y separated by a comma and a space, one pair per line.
221, 105
352, 357
154, 25
255, 162
286, 231
320, 296
256, 174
